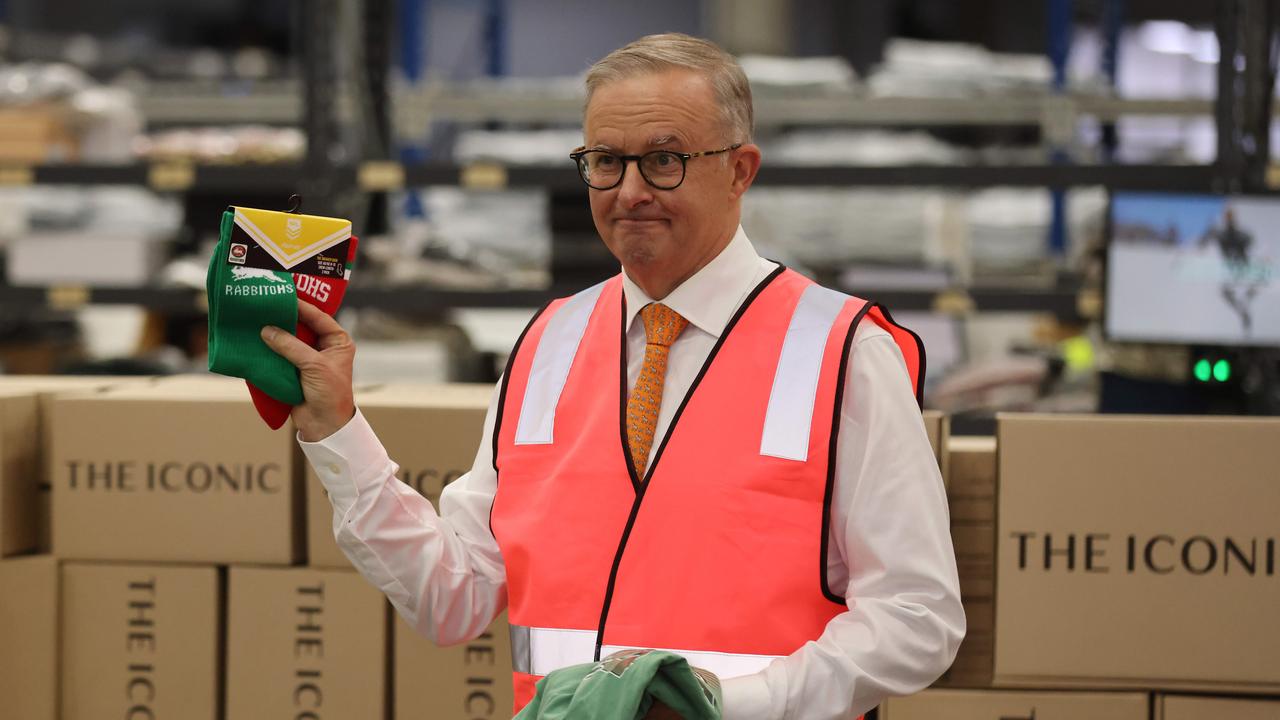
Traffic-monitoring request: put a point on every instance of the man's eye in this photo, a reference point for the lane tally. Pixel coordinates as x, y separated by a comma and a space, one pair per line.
606, 160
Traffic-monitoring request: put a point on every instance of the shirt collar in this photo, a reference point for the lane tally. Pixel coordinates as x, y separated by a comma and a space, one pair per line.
709, 298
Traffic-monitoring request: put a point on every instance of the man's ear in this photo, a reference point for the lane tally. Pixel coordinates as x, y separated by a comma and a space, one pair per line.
745, 162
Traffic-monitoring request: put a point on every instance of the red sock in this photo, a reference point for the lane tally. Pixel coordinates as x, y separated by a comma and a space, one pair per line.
324, 293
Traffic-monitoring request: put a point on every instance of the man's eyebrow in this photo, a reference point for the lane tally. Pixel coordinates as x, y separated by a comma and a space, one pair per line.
661, 140
599, 146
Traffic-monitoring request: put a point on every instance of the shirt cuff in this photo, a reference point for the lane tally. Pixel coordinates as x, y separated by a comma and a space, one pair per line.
348, 461
747, 698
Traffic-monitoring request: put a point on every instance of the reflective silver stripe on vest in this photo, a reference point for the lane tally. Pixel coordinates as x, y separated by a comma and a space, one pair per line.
545, 649
539, 651
795, 384
550, 370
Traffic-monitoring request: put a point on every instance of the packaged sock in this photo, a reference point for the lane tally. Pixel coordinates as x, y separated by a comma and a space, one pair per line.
253, 282
324, 293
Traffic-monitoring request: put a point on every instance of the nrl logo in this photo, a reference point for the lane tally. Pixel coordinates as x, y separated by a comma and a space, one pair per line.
293, 228
244, 273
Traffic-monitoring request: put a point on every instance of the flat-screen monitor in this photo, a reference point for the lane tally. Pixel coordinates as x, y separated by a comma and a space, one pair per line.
1194, 269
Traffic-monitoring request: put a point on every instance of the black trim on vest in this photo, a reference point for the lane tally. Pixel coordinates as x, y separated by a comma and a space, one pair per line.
502, 400
832, 444
635, 506
919, 379
622, 401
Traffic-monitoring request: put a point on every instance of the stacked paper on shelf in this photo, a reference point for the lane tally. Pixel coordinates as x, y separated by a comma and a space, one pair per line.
918, 68
830, 226
862, 147
105, 236
517, 147
807, 73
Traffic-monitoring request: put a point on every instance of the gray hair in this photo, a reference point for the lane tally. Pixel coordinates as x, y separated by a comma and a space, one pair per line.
670, 51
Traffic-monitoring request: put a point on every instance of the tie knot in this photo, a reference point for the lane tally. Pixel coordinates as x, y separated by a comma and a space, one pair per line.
662, 325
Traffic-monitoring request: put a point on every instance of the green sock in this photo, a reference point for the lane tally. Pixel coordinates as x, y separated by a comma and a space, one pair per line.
242, 301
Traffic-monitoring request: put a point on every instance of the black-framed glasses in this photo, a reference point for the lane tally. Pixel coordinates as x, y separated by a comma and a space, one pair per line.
663, 169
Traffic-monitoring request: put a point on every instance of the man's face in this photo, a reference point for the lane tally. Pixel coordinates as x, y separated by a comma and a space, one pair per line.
663, 234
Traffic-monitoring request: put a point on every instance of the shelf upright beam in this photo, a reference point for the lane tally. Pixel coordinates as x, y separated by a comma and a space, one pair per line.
317, 31
1113, 12
1230, 161
1258, 31
495, 38
1059, 129
414, 15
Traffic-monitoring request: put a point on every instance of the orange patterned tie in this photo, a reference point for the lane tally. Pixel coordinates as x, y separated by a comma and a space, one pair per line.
662, 326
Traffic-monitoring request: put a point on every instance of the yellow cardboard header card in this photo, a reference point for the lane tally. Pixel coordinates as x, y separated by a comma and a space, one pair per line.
291, 238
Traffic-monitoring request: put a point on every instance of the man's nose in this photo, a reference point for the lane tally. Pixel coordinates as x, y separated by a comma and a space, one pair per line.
634, 191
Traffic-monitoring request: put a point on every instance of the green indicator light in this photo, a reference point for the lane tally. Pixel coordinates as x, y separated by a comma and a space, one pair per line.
1202, 370
1222, 371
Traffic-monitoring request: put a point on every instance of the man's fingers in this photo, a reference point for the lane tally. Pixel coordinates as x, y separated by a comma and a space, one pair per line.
318, 320
288, 346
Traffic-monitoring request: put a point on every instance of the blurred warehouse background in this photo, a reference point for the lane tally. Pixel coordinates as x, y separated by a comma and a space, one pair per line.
957, 161
1073, 202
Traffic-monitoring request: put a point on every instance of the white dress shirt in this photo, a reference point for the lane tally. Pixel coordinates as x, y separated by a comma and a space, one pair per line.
890, 552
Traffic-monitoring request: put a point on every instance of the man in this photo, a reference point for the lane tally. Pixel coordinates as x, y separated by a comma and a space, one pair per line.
1241, 283
707, 453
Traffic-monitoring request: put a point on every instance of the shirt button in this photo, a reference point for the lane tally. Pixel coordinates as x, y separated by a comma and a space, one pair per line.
333, 468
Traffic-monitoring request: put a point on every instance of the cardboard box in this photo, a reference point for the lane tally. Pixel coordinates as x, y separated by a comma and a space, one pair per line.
1015, 705
972, 666
302, 640
36, 443
1138, 552
971, 479
1180, 707
431, 431
977, 577
971, 467
173, 474
140, 641
19, 472
470, 681
29, 629
38, 133
937, 425
974, 541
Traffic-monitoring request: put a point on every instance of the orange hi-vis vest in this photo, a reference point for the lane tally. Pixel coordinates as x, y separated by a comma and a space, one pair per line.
719, 552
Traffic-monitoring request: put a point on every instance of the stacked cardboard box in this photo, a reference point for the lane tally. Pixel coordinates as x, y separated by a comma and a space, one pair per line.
140, 641
971, 494
19, 472
156, 487
25, 463
1016, 705
432, 433
29, 637
471, 680
1129, 553
939, 430
1138, 552
1185, 707
190, 472
303, 642
29, 584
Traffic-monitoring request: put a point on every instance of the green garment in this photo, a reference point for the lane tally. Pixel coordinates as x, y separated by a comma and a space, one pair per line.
242, 301
624, 686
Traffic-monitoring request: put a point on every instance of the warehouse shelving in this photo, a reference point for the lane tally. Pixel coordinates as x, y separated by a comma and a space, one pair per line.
376, 176
320, 101
1067, 301
281, 103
